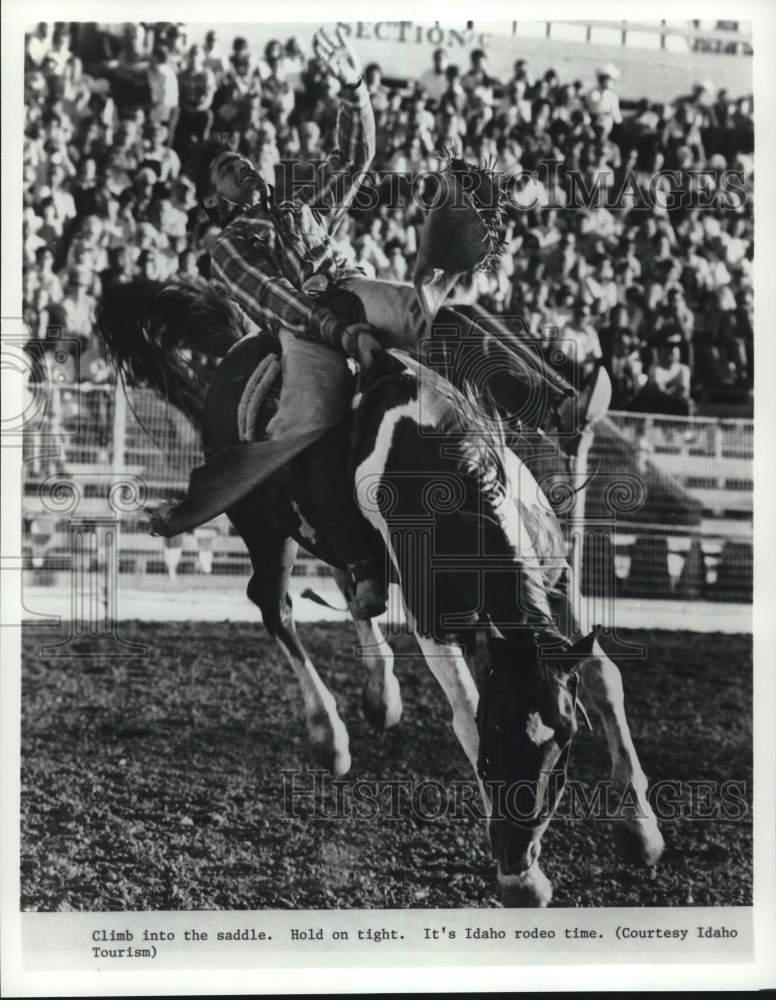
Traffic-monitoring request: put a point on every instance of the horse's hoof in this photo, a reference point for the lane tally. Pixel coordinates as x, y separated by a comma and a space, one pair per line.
330, 746
640, 845
335, 760
382, 710
532, 889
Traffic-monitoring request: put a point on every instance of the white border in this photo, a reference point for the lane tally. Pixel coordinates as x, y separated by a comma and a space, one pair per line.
606, 976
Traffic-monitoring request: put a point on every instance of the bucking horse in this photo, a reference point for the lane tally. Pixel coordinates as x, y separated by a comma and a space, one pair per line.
465, 526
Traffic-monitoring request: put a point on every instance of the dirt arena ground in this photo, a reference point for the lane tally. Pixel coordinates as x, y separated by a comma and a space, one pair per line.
157, 784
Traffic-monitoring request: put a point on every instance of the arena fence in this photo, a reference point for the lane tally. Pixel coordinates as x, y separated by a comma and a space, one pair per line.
95, 457
730, 37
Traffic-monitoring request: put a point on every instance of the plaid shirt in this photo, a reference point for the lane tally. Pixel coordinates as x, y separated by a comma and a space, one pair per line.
264, 256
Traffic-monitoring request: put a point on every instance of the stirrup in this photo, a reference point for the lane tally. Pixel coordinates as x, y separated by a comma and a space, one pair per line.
368, 600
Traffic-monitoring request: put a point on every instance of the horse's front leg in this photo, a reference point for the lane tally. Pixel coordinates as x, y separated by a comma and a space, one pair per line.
380, 695
639, 839
273, 557
448, 665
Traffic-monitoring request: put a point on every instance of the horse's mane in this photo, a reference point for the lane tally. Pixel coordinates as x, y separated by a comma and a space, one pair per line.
463, 414
482, 442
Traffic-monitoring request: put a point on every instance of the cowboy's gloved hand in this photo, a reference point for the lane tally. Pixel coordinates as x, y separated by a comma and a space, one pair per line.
158, 518
360, 343
336, 56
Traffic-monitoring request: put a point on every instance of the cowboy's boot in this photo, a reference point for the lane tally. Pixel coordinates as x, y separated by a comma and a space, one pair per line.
576, 412
368, 598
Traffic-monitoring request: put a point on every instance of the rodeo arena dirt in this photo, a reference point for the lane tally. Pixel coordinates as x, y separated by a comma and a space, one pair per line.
388, 466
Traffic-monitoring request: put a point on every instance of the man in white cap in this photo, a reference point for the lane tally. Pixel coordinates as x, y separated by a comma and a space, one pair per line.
434, 80
602, 102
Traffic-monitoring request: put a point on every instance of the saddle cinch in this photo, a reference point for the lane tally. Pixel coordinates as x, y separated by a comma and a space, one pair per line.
239, 455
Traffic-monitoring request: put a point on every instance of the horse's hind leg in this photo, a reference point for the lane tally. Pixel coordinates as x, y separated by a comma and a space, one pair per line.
380, 696
273, 558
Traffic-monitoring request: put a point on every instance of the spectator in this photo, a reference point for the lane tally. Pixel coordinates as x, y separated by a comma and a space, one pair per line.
89, 246
600, 288
176, 40
48, 280
131, 87
85, 187
169, 220
310, 142
602, 102
362, 260
121, 266
163, 86
149, 265
667, 389
516, 100
434, 81
378, 94
39, 45
277, 93
214, 60
396, 268
234, 100
189, 268
49, 232
578, 342
478, 83
102, 186
241, 52
79, 303
157, 155
744, 330
295, 63
197, 90
626, 370
61, 66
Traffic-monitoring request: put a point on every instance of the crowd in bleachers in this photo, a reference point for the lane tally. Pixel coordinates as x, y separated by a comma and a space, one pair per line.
659, 291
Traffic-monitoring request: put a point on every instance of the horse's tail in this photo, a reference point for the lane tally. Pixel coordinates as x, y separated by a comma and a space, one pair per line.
155, 330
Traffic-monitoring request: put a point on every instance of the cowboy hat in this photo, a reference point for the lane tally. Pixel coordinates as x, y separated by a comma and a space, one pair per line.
460, 234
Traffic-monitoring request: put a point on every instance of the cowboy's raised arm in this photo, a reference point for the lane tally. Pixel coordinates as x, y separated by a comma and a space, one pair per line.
338, 178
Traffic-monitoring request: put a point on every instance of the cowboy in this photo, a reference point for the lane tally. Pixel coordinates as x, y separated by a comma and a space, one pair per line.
275, 259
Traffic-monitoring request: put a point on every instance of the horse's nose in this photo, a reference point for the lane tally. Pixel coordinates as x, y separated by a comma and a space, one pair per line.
519, 858
516, 849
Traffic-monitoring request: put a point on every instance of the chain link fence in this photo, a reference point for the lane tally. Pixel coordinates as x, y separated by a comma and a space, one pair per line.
669, 510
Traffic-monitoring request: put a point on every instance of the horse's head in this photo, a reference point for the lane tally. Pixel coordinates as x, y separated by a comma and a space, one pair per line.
526, 721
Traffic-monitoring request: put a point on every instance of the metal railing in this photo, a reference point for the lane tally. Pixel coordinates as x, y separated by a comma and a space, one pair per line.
96, 453
731, 40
